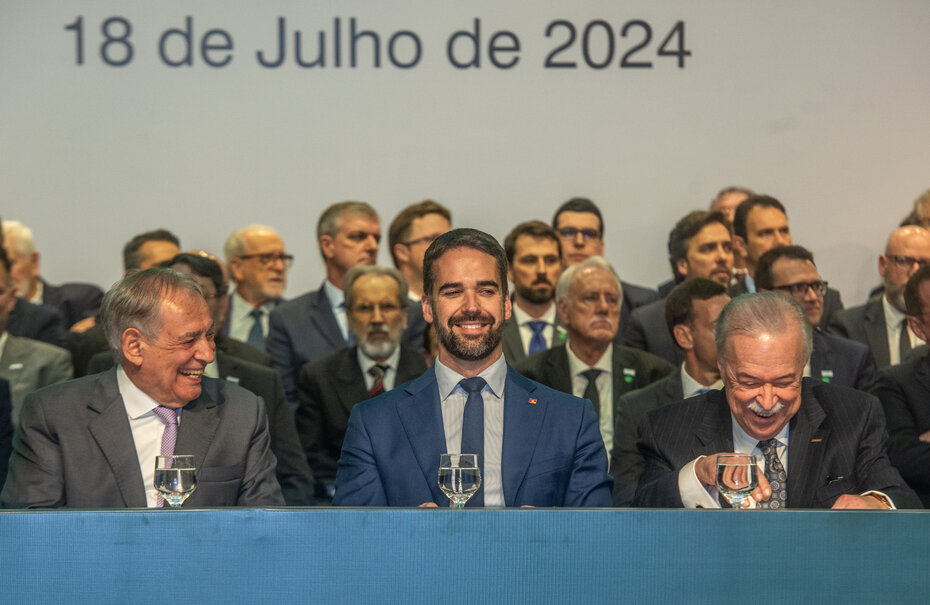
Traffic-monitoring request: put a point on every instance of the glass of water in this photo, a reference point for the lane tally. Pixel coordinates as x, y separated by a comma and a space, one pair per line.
459, 477
737, 476
175, 478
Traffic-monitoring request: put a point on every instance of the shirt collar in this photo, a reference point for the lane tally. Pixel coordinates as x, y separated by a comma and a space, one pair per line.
522, 317
690, 386
335, 295
893, 316
447, 379
137, 401
40, 293
242, 308
750, 283
365, 362
742, 442
576, 366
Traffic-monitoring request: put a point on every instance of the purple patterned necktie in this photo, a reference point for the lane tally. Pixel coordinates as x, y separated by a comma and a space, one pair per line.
169, 438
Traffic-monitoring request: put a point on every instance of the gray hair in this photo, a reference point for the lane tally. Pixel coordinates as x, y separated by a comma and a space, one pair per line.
329, 220
135, 302
758, 313
235, 243
362, 270
563, 286
20, 237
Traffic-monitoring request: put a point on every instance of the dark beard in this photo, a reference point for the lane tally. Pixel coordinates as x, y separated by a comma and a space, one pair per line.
537, 297
468, 349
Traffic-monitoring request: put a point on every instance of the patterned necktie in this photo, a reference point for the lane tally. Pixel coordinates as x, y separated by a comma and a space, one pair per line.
775, 475
256, 336
377, 372
590, 391
473, 429
169, 438
537, 342
904, 344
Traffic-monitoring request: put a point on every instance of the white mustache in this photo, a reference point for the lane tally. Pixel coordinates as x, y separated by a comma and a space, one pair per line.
758, 410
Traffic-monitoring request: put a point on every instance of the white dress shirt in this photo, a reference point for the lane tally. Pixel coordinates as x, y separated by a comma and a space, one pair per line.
523, 319
452, 398
337, 301
147, 430
390, 374
893, 319
605, 390
241, 321
691, 387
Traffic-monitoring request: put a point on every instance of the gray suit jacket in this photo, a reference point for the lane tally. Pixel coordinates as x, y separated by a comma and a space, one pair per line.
75, 449
865, 324
836, 446
647, 331
29, 365
513, 343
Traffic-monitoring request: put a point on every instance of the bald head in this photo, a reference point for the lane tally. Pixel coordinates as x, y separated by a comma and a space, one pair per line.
907, 249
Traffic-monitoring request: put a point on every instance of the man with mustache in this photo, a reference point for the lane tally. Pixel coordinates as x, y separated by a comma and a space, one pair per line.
698, 246
819, 445
592, 365
535, 446
533, 265
328, 388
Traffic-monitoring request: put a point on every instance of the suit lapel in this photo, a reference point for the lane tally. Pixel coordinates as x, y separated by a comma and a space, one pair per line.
512, 343
200, 420
715, 432
421, 417
350, 381
877, 332
806, 443
556, 368
523, 417
111, 430
321, 314
821, 358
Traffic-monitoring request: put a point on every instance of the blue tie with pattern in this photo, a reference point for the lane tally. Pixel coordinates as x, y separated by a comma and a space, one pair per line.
537, 342
473, 429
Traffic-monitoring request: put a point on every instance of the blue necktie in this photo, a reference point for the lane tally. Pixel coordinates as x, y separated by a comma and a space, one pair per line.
537, 342
473, 429
256, 336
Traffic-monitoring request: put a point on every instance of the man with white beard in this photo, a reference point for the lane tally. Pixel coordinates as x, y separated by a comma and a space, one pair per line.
376, 309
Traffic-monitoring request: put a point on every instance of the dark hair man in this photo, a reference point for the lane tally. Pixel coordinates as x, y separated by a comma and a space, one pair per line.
390, 456
410, 234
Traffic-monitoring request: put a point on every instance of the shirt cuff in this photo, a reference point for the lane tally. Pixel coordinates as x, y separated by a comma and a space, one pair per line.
693, 493
891, 505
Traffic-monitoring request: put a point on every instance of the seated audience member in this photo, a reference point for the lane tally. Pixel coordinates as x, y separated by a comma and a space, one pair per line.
143, 251
535, 446
580, 225
232, 364
592, 365
92, 442
881, 323
534, 263
77, 303
314, 325
691, 311
819, 445
760, 223
790, 270
328, 388
25, 363
904, 391
699, 246
410, 234
258, 263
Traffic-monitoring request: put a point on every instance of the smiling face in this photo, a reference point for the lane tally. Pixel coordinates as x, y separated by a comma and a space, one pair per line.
710, 255
591, 311
467, 307
169, 367
762, 374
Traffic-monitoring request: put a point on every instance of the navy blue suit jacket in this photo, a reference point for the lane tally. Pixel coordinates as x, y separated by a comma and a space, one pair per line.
553, 454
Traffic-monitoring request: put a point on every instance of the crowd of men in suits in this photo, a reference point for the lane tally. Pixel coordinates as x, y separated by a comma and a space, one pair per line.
574, 387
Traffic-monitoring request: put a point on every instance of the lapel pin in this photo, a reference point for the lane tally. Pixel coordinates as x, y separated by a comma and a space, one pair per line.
533, 401
628, 375
816, 440
826, 375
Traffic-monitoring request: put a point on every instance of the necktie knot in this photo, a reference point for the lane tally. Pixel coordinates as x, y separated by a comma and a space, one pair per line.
473, 385
536, 326
167, 415
377, 371
256, 313
591, 374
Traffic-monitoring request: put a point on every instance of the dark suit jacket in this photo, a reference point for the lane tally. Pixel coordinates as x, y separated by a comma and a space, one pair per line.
93, 341
832, 303
633, 298
6, 429
75, 449
841, 361
551, 369
328, 389
552, 455
904, 391
647, 331
836, 446
626, 462
291, 469
74, 301
513, 343
865, 324
305, 328
38, 322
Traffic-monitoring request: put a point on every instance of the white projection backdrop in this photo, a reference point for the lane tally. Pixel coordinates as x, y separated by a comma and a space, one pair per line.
821, 104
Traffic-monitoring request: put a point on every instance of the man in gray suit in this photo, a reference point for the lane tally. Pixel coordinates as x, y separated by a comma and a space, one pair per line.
27, 364
533, 265
833, 456
92, 442
691, 312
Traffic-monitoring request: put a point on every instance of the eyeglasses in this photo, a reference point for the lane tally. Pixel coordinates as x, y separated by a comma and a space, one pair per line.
572, 233
270, 258
800, 289
906, 262
426, 239
367, 309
